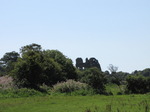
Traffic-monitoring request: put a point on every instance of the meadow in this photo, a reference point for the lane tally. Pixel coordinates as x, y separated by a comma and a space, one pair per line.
64, 103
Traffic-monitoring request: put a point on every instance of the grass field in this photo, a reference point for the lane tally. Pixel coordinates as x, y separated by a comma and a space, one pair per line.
98, 103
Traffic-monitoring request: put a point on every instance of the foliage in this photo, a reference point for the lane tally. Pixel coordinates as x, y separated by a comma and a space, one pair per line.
145, 72
16, 93
114, 89
51, 72
9, 57
67, 68
69, 86
6, 82
138, 84
118, 78
27, 71
7, 62
95, 78
32, 47
36, 67
2, 70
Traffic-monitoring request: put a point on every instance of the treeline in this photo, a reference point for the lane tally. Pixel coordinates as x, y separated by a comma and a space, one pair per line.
33, 67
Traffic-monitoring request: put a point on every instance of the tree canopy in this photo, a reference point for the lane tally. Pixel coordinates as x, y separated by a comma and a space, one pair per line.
37, 66
7, 61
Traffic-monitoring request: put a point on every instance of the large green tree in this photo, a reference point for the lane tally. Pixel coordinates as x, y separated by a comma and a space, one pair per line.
36, 67
32, 47
7, 62
66, 65
33, 69
27, 71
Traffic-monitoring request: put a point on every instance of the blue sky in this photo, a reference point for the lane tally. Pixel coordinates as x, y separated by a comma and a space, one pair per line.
113, 31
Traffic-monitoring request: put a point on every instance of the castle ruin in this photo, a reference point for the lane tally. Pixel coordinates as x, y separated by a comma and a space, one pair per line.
92, 62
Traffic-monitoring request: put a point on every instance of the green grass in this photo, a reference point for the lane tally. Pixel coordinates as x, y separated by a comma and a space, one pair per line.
98, 103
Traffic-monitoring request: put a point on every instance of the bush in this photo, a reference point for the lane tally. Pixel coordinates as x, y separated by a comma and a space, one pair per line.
69, 86
24, 92
138, 84
94, 78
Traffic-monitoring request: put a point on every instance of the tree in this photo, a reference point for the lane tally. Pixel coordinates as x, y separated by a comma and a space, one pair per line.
8, 60
68, 70
51, 72
113, 69
2, 70
32, 47
138, 84
56, 55
115, 79
27, 71
10, 57
145, 72
95, 78
36, 67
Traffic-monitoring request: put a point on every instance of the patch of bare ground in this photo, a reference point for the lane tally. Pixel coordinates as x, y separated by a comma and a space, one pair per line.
6, 82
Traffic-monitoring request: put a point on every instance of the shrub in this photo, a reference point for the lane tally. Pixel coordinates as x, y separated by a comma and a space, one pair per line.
138, 84
24, 92
69, 86
95, 78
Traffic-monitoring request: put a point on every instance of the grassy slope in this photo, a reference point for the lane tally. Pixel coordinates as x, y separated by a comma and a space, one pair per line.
123, 103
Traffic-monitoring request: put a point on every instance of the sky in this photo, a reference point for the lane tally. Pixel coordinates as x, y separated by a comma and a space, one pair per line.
113, 31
